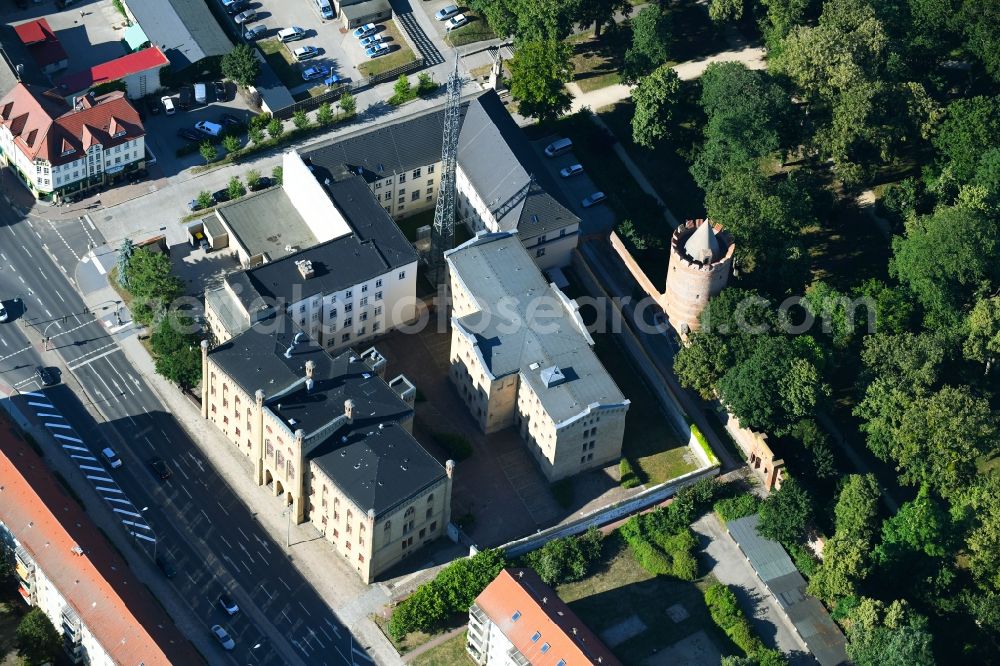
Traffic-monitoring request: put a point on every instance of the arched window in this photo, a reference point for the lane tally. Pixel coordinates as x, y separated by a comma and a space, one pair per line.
409, 513
430, 498
388, 525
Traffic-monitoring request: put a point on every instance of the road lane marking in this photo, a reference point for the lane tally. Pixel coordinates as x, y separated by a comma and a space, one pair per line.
41, 404
284, 583
27, 252
78, 457
187, 492
70, 439
244, 534
127, 513
305, 610
93, 469
228, 545
118, 500
222, 507
110, 490
143, 537
33, 394
139, 525
12, 355
102, 479
44, 415
62, 426
74, 448
185, 475
76, 366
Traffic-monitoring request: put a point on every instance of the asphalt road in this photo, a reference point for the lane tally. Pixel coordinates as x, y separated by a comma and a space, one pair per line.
213, 540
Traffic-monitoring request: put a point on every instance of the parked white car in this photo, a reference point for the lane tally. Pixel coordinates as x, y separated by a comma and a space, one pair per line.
456, 22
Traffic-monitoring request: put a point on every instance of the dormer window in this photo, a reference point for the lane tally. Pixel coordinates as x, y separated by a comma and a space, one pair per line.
119, 133
68, 150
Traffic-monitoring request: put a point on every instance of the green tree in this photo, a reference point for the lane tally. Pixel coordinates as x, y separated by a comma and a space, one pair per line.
892, 634
983, 325
301, 120
277, 174
36, 639
983, 541
651, 37
176, 350
208, 151
152, 285
856, 512
894, 307
946, 259
241, 65
539, 71
231, 143
970, 126
256, 135
940, 436
979, 20
235, 188
921, 525
786, 514
426, 84
817, 443
253, 178
125, 251
402, 91
205, 199
348, 104
778, 384
655, 99
567, 559
324, 114
275, 129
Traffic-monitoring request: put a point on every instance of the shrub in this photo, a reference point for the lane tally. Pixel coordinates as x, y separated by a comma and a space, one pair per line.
277, 173
275, 128
348, 104
629, 479
235, 188
231, 143
567, 559
452, 591
425, 84
804, 560
205, 199
324, 114
402, 91
301, 120
253, 177
727, 614
256, 135
734, 508
646, 554
208, 151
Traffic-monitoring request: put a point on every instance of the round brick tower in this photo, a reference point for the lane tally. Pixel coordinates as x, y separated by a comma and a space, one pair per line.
701, 258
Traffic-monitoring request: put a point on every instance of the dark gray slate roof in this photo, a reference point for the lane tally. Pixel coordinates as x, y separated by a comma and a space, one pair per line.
185, 30
272, 91
364, 9
386, 150
777, 571
376, 246
499, 162
378, 468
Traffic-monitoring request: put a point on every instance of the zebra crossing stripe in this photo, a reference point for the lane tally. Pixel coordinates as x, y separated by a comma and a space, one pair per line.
59, 425
143, 537
110, 490
118, 500
79, 457
69, 447
41, 404
46, 415
68, 438
139, 525
128, 513
33, 394
92, 468
102, 479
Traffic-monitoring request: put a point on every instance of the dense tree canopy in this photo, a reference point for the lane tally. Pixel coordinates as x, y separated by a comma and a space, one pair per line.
651, 34
655, 98
538, 71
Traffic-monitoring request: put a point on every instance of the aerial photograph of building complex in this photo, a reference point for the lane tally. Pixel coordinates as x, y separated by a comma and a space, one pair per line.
507, 333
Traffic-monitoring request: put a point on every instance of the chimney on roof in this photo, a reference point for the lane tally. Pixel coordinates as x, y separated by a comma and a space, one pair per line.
305, 268
349, 410
310, 369
545, 600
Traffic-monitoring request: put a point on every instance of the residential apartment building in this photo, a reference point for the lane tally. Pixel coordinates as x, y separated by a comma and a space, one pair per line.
521, 356
520, 621
500, 182
332, 438
57, 149
67, 568
336, 263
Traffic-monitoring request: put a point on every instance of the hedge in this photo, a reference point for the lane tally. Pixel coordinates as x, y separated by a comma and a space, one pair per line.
628, 477
649, 557
727, 614
740, 506
703, 443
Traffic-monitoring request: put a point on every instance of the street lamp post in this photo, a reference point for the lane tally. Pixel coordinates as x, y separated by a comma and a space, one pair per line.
45, 334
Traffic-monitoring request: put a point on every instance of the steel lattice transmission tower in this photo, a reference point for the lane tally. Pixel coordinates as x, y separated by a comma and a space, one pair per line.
443, 231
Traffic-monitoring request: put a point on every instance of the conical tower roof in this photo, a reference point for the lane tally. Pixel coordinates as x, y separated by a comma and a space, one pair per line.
702, 245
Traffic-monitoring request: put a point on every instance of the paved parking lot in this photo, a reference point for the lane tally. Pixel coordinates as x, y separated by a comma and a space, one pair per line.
599, 218
90, 32
161, 129
431, 7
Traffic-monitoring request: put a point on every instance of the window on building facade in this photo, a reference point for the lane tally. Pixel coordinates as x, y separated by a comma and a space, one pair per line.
434, 526
378, 185
430, 181
402, 177
402, 275
345, 337
416, 172
378, 283
375, 327
361, 558
378, 310
430, 169
540, 252
415, 195
364, 301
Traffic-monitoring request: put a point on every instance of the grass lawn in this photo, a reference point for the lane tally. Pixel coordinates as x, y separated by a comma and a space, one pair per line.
476, 30
596, 62
620, 589
450, 653
417, 638
400, 55
280, 60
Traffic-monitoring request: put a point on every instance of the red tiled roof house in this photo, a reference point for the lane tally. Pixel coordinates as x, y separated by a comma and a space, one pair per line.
519, 621
43, 45
139, 71
57, 149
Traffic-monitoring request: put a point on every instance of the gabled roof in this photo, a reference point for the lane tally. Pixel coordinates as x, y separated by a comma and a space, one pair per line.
43, 124
539, 624
16, 62
113, 70
96, 582
497, 159
186, 30
42, 43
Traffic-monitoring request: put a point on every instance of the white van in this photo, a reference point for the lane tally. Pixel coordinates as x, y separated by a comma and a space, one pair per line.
291, 34
325, 10
201, 93
558, 147
168, 105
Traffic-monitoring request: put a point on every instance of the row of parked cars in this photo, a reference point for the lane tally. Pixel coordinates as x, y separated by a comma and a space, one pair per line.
371, 41
453, 15
564, 145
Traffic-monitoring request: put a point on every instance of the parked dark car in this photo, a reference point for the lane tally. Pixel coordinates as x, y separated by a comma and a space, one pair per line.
219, 88
166, 566
220, 196
160, 468
189, 134
262, 184
229, 120
186, 96
237, 7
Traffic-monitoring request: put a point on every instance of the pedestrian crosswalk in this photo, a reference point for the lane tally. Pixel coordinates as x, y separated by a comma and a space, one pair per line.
90, 466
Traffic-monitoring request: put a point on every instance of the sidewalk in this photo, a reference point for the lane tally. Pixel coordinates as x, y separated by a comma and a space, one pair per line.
337, 584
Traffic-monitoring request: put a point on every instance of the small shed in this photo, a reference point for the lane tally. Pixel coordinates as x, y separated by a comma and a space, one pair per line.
370, 11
